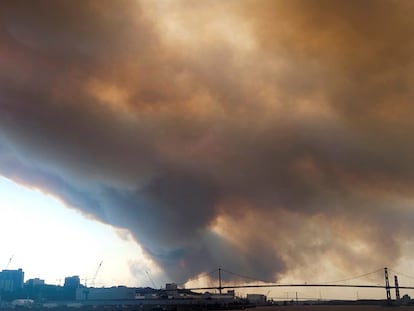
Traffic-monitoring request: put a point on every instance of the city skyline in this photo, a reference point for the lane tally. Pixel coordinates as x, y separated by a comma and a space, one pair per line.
13, 282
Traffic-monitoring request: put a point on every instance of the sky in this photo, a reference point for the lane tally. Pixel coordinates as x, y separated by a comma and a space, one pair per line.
271, 138
50, 241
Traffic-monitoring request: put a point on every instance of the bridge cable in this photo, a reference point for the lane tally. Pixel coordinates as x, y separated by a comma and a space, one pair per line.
354, 277
403, 274
245, 277
200, 276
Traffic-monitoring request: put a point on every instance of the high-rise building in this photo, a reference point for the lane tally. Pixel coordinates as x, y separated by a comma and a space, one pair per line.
72, 281
11, 280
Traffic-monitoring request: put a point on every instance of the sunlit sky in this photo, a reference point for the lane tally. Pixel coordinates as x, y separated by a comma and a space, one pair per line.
50, 241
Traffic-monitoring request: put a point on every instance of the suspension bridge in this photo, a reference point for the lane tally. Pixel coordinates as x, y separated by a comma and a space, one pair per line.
343, 283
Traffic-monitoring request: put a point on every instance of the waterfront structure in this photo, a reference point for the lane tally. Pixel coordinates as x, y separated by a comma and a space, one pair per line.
257, 299
111, 293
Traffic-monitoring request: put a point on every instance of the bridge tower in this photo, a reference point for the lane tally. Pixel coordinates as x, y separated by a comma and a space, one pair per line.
397, 288
387, 285
219, 274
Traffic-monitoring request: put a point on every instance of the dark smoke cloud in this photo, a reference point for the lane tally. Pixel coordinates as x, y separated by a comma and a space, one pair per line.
261, 136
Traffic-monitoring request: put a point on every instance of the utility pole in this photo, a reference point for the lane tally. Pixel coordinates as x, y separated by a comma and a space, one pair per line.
387, 285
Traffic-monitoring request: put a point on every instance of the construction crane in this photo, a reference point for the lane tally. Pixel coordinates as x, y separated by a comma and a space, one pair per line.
96, 273
150, 278
8, 264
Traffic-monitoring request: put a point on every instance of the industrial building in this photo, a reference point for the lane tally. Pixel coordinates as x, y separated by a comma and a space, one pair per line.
257, 299
112, 293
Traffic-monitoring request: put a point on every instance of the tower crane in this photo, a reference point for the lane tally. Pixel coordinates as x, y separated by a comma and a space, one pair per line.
150, 278
96, 273
8, 264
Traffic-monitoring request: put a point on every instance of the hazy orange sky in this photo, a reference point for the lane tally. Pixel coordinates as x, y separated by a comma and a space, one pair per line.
262, 136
